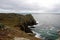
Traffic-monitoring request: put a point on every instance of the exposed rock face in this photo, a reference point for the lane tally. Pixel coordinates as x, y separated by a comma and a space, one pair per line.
14, 34
30, 20
18, 20
16, 25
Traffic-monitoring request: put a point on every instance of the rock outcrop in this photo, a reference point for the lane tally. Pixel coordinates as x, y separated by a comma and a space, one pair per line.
18, 20
16, 25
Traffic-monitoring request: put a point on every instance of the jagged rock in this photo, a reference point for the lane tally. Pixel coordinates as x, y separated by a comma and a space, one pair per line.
32, 27
30, 20
15, 34
16, 25
18, 20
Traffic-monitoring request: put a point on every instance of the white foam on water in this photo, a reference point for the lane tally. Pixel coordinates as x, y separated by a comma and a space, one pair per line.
37, 34
37, 22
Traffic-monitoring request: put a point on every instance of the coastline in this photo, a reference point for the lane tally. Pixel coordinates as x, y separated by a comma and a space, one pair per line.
17, 26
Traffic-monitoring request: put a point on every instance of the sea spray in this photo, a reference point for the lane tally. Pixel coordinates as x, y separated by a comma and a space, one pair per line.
37, 34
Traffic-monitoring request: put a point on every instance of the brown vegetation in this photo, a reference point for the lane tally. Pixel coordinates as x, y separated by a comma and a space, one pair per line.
16, 25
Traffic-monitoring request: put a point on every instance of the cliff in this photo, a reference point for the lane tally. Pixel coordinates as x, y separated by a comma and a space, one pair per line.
15, 26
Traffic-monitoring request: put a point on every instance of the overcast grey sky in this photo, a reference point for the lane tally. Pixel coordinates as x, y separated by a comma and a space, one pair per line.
40, 6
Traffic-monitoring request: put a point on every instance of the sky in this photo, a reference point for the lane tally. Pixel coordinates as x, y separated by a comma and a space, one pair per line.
30, 6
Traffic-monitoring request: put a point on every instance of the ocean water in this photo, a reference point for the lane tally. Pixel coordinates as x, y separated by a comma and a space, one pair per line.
48, 26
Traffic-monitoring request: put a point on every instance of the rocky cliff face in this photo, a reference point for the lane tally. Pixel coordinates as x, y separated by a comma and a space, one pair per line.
16, 26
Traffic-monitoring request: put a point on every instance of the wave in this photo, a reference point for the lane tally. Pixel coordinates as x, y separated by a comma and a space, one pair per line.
38, 35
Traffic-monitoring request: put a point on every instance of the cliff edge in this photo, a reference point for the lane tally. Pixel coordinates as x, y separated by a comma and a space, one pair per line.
15, 27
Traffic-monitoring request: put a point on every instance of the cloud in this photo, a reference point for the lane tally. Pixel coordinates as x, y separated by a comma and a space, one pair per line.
39, 6
6, 11
17, 5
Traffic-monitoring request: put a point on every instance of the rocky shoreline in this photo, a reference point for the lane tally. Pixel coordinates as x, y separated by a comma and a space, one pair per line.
15, 26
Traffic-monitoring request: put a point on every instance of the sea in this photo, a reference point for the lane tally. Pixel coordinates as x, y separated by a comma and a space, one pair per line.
48, 27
